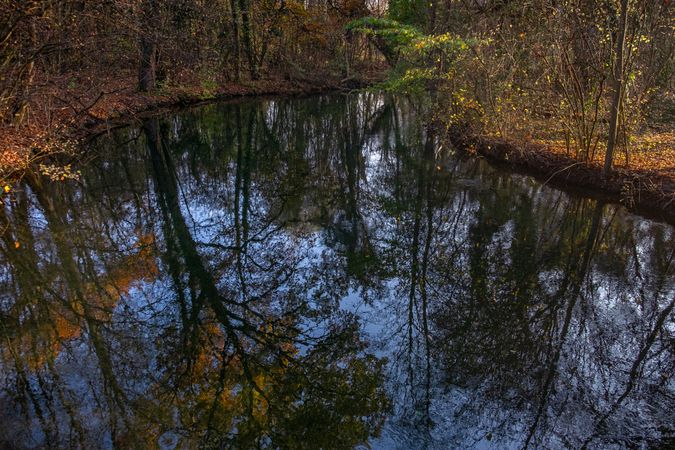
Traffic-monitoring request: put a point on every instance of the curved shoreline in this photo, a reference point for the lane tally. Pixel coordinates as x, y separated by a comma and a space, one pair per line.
30, 144
640, 191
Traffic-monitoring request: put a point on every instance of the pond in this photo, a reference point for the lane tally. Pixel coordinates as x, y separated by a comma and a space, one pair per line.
325, 273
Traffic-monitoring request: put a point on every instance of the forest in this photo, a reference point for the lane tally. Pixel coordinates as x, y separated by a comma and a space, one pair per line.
337, 224
552, 83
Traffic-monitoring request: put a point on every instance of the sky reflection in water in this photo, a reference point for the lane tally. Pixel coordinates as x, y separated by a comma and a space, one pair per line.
323, 273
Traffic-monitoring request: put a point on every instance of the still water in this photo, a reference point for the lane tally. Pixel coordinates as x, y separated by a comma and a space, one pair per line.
325, 273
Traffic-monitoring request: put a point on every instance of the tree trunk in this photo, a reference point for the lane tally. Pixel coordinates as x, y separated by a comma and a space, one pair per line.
147, 73
235, 40
19, 106
248, 40
617, 88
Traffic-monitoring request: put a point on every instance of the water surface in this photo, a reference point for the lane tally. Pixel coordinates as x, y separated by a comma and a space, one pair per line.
324, 273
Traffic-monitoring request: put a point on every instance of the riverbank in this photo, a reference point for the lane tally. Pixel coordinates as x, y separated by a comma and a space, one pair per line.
73, 116
645, 185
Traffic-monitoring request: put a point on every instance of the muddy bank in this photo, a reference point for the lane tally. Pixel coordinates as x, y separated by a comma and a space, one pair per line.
648, 192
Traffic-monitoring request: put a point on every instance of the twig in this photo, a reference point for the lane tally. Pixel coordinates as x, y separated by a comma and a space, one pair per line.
561, 170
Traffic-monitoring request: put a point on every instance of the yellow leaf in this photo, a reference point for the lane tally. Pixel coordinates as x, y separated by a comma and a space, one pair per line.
7, 188
17, 244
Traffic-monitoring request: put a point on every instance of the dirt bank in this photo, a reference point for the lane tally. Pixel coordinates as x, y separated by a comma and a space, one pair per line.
649, 191
78, 116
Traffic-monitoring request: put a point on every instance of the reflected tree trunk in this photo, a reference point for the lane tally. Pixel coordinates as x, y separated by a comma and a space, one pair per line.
636, 368
571, 289
65, 244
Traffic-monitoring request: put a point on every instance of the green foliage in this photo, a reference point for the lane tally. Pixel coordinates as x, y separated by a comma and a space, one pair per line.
410, 81
412, 12
417, 58
209, 87
394, 34
438, 45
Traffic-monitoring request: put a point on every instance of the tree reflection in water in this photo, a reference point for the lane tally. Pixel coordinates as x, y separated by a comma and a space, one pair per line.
323, 273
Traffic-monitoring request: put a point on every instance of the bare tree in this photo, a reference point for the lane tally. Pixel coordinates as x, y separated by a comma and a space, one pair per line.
147, 73
617, 89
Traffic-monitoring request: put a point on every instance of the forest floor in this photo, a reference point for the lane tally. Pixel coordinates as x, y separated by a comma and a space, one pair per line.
64, 111
643, 182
